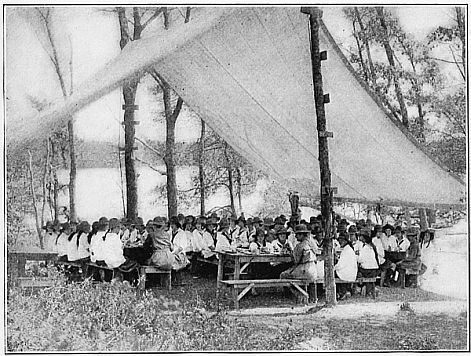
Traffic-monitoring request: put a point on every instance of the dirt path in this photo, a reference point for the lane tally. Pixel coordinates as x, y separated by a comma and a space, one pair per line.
346, 311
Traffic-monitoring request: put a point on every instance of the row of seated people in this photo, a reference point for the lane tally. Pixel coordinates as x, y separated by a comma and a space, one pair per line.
166, 244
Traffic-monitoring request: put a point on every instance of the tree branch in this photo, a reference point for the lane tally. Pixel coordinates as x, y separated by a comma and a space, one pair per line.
156, 13
151, 166
178, 108
457, 65
145, 144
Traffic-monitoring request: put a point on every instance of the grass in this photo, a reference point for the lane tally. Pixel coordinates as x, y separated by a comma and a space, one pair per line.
103, 317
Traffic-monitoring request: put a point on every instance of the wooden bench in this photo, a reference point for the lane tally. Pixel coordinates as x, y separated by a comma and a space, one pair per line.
34, 282
145, 270
341, 281
248, 284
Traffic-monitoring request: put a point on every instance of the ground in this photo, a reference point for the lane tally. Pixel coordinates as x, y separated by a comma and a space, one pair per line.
398, 319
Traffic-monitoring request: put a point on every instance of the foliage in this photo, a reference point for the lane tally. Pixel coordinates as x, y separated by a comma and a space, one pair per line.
115, 317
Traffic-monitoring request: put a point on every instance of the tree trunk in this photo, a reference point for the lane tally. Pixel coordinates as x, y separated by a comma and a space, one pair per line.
35, 207
170, 153
129, 96
390, 56
72, 172
230, 186
326, 192
460, 19
201, 168
367, 46
360, 52
239, 188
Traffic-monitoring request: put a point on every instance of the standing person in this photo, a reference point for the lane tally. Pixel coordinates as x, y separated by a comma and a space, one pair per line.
346, 268
368, 260
304, 258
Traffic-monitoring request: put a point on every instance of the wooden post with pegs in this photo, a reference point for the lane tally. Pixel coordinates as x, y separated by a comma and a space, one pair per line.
326, 190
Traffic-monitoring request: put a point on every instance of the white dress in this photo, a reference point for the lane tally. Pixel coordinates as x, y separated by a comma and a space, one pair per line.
96, 247
113, 250
347, 266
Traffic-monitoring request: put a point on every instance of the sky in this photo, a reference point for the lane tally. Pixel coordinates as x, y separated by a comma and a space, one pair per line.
94, 36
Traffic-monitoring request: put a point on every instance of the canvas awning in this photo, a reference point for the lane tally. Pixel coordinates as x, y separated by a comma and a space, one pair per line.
247, 73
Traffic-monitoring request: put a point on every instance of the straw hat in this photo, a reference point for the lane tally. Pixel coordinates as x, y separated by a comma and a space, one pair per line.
301, 229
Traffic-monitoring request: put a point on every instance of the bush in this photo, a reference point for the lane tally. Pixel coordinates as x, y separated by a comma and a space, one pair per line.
117, 317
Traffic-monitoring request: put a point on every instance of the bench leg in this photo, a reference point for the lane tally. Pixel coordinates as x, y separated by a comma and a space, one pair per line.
235, 296
312, 291
142, 279
383, 278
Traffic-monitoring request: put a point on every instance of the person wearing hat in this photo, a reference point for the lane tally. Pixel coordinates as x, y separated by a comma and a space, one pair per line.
61, 241
412, 262
224, 239
180, 240
390, 242
233, 229
376, 239
242, 237
50, 237
304, 258
281, 244
346, 267
112, 245
179, 246
96, 243
403, 242
204, 238
368, 263
73, 242
83, 247
162, 257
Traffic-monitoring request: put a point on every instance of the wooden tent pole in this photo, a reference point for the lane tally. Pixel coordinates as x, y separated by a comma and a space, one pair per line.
326, 189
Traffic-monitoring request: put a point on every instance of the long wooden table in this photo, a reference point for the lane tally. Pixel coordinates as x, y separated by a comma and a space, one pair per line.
19, 258
242, 260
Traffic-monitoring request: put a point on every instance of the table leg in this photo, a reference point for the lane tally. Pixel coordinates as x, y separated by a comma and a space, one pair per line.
220, 270
237, 268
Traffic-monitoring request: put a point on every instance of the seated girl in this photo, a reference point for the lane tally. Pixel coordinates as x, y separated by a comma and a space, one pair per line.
62, 240
346, 268
162, 256
368, 261
304, 257
224, 240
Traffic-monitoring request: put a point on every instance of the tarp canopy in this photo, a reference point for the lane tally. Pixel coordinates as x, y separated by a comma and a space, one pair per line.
247, 73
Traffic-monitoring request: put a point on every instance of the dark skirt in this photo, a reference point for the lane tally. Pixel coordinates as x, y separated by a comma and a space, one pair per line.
139, 254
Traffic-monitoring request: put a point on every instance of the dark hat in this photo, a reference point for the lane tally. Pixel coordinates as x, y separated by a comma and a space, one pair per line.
113, 223
301, 229
159, 221
249, 221
242, 220
103, 221
278, 221
398, 228
124, 222
174, 220
283, 218
268, 222
365, 232
378, 228
223, 223
84, 226
388, 226
215, 216
181, 216
257, 220
138, 222
201, 220
281, 231
95, 225
233, 217
211, 221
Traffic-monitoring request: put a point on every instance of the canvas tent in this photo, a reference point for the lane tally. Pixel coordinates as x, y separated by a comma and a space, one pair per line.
247, 73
